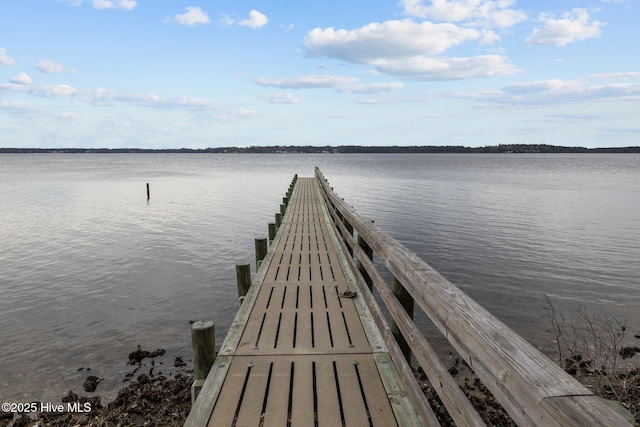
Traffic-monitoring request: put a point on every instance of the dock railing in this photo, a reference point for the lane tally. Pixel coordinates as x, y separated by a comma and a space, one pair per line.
532, 388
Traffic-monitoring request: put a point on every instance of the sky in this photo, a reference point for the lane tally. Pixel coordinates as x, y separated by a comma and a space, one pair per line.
198, 74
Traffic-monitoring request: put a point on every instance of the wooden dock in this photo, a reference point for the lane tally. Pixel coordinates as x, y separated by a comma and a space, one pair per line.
310, 346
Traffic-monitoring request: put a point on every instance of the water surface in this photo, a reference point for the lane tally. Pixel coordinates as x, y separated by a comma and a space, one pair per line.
90, 268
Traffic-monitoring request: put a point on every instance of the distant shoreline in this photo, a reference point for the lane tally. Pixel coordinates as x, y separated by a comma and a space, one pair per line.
344, 149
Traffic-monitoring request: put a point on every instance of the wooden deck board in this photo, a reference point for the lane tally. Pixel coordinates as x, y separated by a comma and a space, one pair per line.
304, 357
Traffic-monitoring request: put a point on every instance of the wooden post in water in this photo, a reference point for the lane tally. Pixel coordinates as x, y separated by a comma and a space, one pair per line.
283, 208
407, 302
272, 230
243, 276
148, 192
278, 220
285, 200
261, 251
203, 345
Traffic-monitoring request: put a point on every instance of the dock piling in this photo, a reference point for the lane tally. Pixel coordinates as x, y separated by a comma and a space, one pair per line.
272, 230
203, 345
243, 276
261, 250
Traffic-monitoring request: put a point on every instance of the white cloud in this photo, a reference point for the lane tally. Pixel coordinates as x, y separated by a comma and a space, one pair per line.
193, 16
571, 27
104, 97
6, 60
485, 13
116, 4
281, 98
256, 20
21, 79
371, 88
629, 75
391, 39
33, 110
405, 48
431, 69
311, 81
551, 85
554, 91
48, 66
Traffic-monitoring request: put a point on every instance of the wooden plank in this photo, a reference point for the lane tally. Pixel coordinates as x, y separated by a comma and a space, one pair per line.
572, 410
327, 395
355, 407
251, 410
302, 413
276, 414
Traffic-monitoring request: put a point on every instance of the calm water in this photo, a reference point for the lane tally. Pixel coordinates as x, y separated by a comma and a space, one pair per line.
89, 268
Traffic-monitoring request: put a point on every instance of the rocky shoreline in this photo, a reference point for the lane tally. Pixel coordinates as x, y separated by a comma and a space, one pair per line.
157, 400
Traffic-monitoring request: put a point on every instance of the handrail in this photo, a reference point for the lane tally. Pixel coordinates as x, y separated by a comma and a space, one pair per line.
532, 388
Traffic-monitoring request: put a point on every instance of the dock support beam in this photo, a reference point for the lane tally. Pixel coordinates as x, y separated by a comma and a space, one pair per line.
203, 345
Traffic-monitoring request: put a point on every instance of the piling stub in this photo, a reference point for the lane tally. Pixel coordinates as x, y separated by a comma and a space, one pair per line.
243, 276
261, 250
203, 345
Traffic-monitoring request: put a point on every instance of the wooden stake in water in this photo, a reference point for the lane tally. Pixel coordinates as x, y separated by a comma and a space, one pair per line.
148, 192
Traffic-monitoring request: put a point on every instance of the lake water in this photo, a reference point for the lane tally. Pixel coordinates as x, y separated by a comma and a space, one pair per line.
89, 268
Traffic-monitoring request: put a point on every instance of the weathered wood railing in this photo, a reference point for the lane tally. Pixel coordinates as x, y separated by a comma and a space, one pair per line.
533, 389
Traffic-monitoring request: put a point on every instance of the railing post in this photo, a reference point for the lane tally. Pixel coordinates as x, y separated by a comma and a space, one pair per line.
203, 345
349, 228
407, 303
243, 277
261, 251
367, 250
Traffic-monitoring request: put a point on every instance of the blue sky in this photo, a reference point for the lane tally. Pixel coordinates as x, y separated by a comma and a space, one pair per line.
171, 74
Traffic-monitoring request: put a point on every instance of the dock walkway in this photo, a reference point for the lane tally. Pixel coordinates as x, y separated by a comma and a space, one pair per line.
301, 352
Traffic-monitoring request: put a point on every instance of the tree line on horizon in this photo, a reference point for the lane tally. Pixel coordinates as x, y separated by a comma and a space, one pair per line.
390, 149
